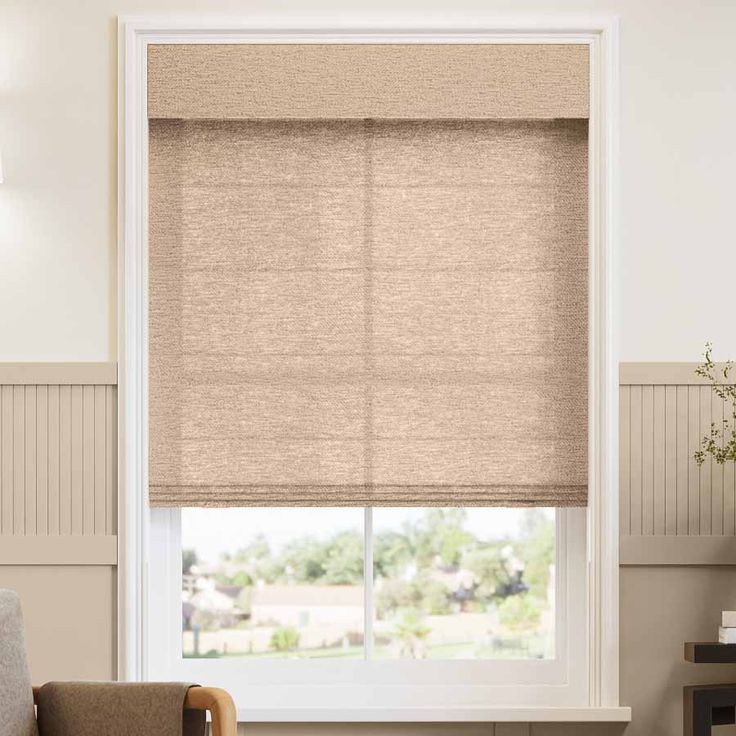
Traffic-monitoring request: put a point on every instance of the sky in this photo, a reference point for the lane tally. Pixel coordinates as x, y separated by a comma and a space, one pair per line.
214, 531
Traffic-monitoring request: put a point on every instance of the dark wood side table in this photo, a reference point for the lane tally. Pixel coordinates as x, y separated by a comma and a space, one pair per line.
705, 706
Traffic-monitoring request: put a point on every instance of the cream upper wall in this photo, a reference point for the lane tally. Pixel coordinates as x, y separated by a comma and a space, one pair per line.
58, 133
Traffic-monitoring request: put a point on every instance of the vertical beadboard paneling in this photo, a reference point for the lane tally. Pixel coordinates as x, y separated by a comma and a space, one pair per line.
42, 460
706, 488
98, 440
670, 460
647, 459
693, 471
19, 460
58, 459
729, 496
659, 430
683, 461
663, 491
77, 461
635, 473
88, 459
6, 458
624, 478
716, 473
29, 460
111, 459
65, 460
54, 444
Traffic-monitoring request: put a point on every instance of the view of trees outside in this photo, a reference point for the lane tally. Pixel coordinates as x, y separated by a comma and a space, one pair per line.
272, 582
448, 583
463, 583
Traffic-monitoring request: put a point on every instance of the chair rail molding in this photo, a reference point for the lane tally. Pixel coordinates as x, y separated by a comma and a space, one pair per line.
601, 35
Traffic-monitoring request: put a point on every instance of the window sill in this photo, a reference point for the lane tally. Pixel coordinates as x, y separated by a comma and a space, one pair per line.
485, 714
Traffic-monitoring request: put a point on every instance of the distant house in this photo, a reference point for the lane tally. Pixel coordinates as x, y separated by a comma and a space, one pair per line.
305, 605
214, 606
231, 591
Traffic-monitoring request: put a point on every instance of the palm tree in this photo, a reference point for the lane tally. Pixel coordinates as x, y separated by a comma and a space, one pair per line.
411, 632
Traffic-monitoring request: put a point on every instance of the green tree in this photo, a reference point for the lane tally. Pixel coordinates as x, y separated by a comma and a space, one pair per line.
440, 534
395, 595
411, 632
427, 596
392, 552
435, 598
536, 550
240, 578
304, 560
344, 560
438, 538
335, 561
257, 549
490, 568
285, 639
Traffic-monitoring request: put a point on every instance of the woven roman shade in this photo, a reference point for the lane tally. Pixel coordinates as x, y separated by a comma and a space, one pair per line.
367, 311
383, 81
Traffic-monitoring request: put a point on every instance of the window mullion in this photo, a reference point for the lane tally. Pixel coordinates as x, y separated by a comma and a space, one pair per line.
368, 583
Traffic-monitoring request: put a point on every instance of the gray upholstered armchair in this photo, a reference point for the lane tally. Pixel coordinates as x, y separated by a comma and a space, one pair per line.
97, 708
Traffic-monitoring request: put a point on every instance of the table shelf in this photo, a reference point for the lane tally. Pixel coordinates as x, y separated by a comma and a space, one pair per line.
710, 652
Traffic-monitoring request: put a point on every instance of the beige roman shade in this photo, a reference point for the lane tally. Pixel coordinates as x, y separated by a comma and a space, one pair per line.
383, 81
355, 309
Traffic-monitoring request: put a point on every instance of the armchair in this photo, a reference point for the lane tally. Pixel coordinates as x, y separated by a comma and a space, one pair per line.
112, 704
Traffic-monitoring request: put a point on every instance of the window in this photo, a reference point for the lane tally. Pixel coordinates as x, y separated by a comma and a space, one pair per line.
447, 583
563, 655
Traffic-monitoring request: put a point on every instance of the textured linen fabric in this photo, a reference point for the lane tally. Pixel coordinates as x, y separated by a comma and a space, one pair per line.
17, 717
117, 709
389, 81
368, 313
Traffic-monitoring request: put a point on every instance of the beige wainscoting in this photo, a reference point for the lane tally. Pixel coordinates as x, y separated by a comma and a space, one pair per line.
58, 512
677, 543
672, 510
58, 449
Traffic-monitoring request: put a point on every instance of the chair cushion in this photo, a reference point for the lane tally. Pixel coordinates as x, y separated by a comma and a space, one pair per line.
17, 717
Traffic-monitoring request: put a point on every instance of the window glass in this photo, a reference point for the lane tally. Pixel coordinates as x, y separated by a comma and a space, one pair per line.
448, 583
464, 583
272, 582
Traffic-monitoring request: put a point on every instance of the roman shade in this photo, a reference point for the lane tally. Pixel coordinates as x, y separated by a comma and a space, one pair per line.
354, 309
384, 81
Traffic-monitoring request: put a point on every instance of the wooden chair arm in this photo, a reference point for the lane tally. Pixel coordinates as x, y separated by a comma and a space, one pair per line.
214, 699
220, 705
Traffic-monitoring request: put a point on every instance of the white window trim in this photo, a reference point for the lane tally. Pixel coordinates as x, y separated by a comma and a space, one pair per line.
136, 593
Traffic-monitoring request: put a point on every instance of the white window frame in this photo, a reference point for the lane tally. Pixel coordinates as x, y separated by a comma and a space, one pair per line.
399, 685
582, 683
